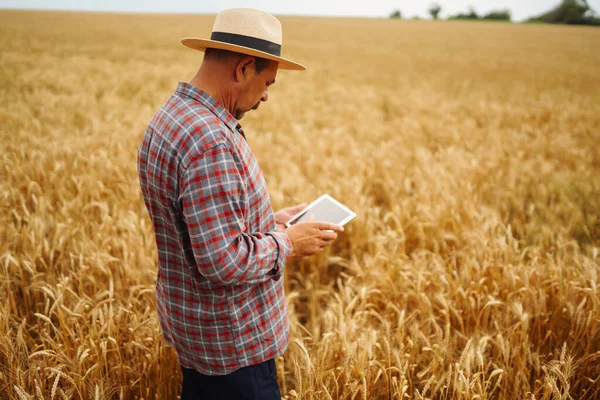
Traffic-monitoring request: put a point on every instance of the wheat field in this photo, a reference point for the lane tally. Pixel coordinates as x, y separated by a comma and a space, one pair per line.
469, 151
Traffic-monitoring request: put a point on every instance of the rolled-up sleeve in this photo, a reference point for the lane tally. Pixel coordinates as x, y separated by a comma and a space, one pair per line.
284, 250
213, 200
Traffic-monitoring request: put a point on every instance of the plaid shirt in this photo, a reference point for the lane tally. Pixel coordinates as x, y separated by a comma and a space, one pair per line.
219, 289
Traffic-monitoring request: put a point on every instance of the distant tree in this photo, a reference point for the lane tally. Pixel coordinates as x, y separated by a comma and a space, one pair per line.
572, 12
498, 15
396, 14
434, 10
470, 15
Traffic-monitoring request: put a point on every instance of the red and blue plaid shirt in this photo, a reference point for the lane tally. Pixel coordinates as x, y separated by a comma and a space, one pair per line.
219, 289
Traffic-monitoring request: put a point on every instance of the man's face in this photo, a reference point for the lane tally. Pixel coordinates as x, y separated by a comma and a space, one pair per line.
255, 90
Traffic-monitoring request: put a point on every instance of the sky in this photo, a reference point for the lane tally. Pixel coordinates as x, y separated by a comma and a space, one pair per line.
521, 9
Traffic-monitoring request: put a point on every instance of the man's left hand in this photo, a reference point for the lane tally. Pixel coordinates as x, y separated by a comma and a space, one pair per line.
283, 216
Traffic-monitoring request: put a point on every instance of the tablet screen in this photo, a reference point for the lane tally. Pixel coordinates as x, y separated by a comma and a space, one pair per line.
326, 210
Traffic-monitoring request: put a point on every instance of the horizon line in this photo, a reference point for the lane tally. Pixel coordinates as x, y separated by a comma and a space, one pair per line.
152, 12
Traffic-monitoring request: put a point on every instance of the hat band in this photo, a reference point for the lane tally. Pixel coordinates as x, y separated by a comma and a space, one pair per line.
248, 41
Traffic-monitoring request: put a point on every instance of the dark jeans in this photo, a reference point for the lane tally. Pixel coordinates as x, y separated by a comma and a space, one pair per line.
256, 382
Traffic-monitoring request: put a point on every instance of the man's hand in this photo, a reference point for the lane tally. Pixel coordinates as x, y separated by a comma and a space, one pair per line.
283, 216
310, 238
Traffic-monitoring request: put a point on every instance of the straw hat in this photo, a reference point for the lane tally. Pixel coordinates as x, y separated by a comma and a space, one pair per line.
246, 31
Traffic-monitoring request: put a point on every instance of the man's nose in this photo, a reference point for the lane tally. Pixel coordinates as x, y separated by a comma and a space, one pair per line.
265, 95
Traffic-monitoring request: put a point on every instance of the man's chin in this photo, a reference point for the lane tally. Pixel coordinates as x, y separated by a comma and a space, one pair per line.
240, 114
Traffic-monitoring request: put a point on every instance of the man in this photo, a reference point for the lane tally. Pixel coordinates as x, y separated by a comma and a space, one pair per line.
222, 251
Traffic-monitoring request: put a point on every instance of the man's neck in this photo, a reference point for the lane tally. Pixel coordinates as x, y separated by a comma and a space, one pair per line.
210, 80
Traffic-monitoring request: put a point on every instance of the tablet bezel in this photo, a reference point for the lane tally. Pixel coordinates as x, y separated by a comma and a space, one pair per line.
349, 218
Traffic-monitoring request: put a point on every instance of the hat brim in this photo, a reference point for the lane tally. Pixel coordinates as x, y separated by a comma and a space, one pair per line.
203, 44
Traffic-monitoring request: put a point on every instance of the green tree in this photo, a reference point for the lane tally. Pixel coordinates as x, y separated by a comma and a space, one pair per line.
472, 14
434, 10
396, 14
498, 15
573, 12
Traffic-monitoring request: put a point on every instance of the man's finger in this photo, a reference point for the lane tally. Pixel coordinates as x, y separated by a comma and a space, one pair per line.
329, 236
326, 226
296, 209
325, 243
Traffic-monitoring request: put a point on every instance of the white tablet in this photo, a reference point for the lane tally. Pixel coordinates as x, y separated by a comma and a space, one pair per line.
324, 209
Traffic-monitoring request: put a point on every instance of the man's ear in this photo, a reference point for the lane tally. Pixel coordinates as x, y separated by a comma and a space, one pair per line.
244, 67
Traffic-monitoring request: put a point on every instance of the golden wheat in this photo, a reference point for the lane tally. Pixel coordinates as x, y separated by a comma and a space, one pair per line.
468, 150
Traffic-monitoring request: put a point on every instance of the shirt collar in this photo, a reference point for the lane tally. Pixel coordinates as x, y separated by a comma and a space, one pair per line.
213, 105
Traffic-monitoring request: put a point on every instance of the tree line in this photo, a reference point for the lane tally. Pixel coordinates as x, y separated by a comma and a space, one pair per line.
572, 12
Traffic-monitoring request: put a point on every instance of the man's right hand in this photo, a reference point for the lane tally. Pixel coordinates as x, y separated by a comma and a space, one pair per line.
309, 238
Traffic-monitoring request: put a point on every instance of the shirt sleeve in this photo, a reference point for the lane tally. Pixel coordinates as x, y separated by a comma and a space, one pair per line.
284, 249
212, 196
